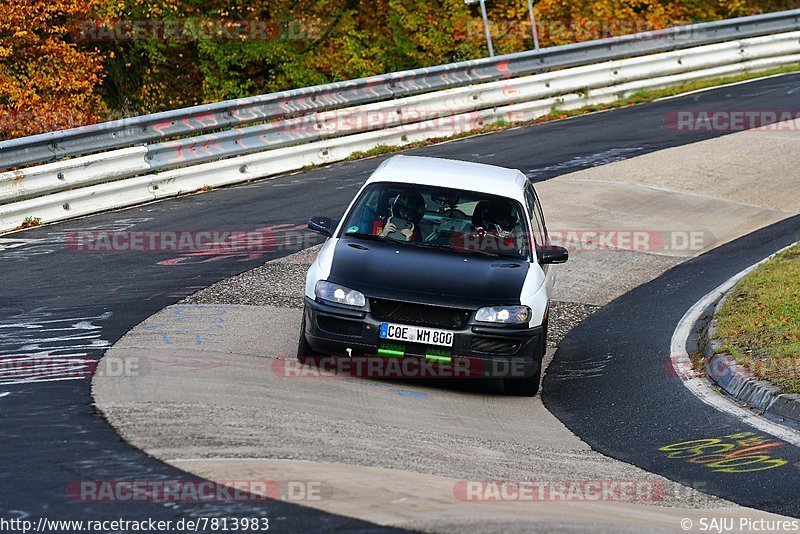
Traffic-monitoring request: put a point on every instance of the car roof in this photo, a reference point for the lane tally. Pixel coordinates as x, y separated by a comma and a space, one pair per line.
453, 174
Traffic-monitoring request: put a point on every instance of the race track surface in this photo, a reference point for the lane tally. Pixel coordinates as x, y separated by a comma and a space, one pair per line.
613, 384
60, 302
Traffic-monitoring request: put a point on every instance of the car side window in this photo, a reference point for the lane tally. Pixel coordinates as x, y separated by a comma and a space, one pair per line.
540, 220
537, 220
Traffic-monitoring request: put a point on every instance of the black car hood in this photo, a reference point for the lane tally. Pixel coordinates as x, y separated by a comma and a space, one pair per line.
440, 277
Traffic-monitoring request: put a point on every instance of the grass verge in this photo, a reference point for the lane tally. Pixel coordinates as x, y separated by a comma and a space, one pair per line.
759, 324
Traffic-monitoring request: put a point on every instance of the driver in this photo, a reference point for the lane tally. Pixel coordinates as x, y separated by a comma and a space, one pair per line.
407, 211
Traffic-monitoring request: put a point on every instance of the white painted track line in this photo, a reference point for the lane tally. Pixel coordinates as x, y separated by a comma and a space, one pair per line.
701, 387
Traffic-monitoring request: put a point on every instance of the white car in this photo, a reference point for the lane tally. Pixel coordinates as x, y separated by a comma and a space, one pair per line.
436, 260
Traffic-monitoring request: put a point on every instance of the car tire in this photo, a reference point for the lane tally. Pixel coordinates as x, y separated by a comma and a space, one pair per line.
305, 354
525, 386
529, 386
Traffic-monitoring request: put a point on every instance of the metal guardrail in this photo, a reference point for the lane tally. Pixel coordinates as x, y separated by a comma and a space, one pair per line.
233, 113
119, 178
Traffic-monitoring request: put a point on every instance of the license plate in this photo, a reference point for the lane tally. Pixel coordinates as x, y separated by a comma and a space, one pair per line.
416, 334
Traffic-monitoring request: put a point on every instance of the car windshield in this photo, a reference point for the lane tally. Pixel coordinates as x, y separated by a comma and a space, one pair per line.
419, 215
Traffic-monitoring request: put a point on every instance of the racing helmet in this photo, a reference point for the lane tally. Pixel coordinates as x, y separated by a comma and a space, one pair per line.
409, 205
502, 219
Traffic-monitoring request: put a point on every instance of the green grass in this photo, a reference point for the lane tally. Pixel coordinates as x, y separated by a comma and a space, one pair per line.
642, 97
759, 324
379, 150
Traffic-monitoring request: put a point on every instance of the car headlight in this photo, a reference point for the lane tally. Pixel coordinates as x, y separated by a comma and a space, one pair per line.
504, 314
339, 294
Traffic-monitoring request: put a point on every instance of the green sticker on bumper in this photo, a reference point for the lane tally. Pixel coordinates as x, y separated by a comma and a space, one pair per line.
391, 350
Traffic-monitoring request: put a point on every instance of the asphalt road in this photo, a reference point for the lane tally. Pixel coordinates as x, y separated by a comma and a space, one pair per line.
59, 302
612, 384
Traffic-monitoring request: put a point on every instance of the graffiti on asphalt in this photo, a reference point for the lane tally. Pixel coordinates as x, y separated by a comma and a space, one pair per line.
27, 248
744, 452
248, 246
50, 344
195, 324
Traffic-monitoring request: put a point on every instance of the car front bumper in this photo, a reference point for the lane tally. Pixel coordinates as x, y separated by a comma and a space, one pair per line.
487, 351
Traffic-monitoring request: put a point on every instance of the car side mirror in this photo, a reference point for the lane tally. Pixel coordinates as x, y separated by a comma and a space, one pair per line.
553, 254
321, 225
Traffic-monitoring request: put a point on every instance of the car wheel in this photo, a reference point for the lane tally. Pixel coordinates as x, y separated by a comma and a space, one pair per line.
305, 354
525, 386
529, 386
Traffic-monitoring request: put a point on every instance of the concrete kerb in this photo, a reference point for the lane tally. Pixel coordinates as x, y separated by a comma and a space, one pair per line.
737, 380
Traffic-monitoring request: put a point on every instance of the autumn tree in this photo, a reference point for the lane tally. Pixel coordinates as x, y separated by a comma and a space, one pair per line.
563, 22
219, 50
68, 62
47, 80
216, 50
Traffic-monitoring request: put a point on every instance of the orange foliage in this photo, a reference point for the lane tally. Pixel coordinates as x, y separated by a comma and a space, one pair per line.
46, 82
58, 69
568, 21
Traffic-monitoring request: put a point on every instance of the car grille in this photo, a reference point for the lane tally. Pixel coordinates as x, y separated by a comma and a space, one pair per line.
494, 346
418, 314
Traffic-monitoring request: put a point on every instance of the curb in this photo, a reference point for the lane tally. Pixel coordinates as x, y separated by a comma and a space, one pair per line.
737, 380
